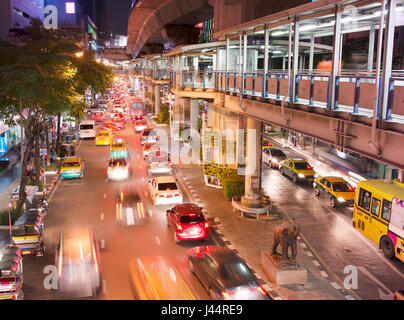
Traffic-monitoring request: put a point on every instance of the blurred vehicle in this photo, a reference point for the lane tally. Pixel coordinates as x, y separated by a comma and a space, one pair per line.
87, 129
164, 190
118, 169
137, 117
148, 136
110, 126
27, 234
159, 162
155, 278
117, 109
146, 149
119, 120
273, 156
224, 274
72, 167
398, 295
136, 106
99, 116
266, 143
187, 222
336, 189
129, 209
104, 138
140, 125
11, 275
118, 148
78, 262
298, 169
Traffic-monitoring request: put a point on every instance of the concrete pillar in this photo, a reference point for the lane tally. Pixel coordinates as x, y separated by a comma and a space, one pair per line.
371, 49
253, 165
194, 115
210, 115
157, 99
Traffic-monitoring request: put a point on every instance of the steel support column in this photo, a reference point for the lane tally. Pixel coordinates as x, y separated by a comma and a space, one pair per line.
264, 74
335, 57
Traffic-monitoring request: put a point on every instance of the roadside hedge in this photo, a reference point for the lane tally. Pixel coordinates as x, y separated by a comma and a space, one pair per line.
233, 186
4, 217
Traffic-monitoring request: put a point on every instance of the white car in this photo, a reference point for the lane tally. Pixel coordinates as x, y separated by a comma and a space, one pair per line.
159, 162
164, 190
118, 169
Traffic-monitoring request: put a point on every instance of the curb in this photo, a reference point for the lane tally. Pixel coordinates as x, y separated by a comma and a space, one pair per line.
216, 229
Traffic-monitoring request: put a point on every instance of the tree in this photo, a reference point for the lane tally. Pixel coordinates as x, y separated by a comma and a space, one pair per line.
44, 77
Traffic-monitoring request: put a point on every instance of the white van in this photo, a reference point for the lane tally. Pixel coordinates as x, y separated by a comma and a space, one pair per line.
87, 129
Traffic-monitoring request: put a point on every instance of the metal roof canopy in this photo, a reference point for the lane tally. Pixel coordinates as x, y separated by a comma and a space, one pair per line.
318, 17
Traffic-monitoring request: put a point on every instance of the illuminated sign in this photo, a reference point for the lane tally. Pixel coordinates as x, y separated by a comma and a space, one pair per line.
70, 8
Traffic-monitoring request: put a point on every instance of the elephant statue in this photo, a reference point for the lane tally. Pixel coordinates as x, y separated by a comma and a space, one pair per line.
286, 234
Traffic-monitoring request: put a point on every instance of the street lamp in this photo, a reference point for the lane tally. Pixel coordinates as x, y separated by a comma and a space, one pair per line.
79, 54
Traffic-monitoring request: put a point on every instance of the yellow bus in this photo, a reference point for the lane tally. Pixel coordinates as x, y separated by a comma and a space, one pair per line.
379, 214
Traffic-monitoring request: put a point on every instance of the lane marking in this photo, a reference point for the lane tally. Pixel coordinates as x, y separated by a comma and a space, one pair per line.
102, 216
102, 244
105, 195
104, 286
158, 240
54, 190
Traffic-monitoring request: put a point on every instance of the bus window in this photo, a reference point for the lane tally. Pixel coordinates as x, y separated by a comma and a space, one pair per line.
386, 210
375, 207
364, 199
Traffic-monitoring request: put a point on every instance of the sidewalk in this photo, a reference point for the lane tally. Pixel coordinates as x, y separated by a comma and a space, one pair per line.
249, 237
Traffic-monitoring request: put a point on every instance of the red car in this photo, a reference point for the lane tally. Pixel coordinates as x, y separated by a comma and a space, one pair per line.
137, 118
119, 120
140, 125
99, 116
188, 222
111, 126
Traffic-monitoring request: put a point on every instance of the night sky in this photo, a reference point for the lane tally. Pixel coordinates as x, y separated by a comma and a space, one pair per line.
119, 15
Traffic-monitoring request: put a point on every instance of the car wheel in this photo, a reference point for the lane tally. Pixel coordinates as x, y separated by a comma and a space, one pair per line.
294, 178
387, 247
332, 202
176, 238
316, 192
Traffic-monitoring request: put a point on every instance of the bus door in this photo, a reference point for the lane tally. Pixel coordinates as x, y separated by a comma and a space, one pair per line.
397, 227
369, 206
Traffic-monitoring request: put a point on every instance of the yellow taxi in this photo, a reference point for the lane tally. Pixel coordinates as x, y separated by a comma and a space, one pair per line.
156, 278
72, 167
266, 144
337, 189
297, 169
118, 148
103, 138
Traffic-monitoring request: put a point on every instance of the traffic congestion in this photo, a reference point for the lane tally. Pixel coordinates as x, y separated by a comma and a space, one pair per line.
124, 226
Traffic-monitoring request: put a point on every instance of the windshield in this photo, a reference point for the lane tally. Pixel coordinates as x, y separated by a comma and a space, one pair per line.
237, 271
341, 186
168, 186
137, 105
103, 134
118, 144
86, 127
71, 164
192, 219
99, 114
302, 166
277, 153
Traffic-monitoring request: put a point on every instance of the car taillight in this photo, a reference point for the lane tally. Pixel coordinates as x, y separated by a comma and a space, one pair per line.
170, 163
179, 227
206, 225
309, 167
226, 294
261, 290
350, 189
177, 195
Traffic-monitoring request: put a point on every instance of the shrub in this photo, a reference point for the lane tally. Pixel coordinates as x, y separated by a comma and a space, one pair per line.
219, 172
233, 186
4, 217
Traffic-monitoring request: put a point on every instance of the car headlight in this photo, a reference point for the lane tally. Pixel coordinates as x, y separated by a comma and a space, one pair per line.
316, 175
341, 199
301, 175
